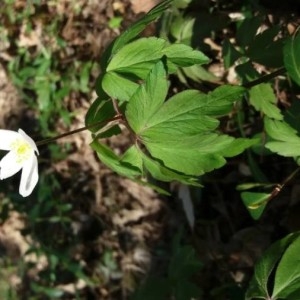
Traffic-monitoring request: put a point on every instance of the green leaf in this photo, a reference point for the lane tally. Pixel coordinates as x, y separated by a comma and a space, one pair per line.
159, 172
186, 113
118, 87
287, 276
108, 132
294, 295
262, 97
100, 110
138, 57
237, 146
286, 141
182, 29
198, 74
148, 98
133, 31
176, 132
255, 203
250, 185
133, 157
291, 57
184, 56
192, 155
258, 287
109, 158
190, 112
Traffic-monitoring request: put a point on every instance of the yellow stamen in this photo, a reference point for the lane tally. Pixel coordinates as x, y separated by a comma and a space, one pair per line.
22, 150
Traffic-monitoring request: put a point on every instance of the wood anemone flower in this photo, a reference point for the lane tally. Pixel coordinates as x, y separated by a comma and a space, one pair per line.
22, 155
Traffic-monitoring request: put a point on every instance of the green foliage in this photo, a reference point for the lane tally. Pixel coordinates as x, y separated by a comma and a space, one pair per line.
179, 132
277, 272
133, 31
255, 203
137, 59
263, 99
285, 140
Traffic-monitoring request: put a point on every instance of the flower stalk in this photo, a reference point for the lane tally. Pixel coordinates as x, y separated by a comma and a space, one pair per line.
52, 139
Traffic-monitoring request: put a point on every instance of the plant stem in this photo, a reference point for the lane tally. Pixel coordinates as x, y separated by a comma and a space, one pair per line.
265, 78
49, 140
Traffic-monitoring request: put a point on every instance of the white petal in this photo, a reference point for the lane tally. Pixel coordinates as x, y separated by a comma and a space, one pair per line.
29, 177
6, 138
29, 140
9, 165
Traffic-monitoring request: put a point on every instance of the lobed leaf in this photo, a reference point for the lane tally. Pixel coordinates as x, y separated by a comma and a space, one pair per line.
148, 98
192, 155
262, 97
285, 142
190, 112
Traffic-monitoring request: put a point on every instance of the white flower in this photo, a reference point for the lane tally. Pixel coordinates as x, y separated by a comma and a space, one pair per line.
22, 155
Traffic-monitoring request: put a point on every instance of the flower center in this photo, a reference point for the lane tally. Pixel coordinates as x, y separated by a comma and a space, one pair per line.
22, 150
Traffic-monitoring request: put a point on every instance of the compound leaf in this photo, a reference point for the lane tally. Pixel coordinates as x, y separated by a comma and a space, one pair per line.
192, 155
285, 140
148, 98
190, 112
263, 99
